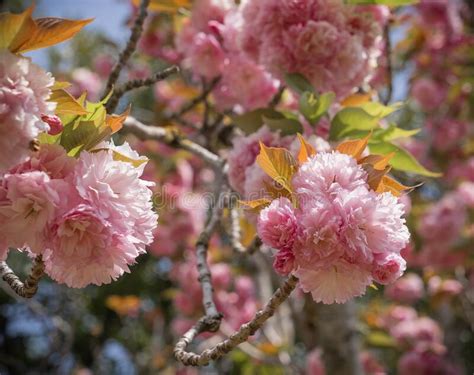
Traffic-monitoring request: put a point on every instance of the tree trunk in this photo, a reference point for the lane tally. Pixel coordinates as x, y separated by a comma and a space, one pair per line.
339, 339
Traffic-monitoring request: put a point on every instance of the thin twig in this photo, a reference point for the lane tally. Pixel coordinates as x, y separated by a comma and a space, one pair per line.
202, 245
142, 131
194, 102
241, 335
388, 57
28, 288
137, 30
138, 83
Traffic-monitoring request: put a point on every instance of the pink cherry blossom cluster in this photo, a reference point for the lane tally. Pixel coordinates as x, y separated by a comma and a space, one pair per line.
334, 45
24, 92
89, 218
209, 47
339, 235
441, 227
421, 339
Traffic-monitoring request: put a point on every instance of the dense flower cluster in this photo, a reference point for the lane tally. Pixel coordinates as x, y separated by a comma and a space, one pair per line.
24, 92
333, 45
208, 45
89, 218
341, 235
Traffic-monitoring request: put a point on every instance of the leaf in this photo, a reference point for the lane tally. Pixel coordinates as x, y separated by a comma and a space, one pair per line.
380, 110
390, 185
278, 163
380, 339
377, 161
121, 157
375, 176
48, 32
313, 107
257, 204
361, 118
66, 103
251, 121
169, 6
115, 122
393, 132
20, 33
354, 148
306, 150
355, 100
11, 24
402, 160
287, 126
61, 85
84, 132
393, 3
298, 83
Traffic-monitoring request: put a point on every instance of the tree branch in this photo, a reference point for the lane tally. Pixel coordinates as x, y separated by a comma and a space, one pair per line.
388, 56
241, 335
213, 317
138, 83
144, 132
29, 288
194, 102
137, 30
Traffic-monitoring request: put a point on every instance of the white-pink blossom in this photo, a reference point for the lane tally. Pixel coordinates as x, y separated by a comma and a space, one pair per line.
24, 92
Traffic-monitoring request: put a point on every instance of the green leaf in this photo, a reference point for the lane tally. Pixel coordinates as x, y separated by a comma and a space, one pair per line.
251, 121
351, 119
313, 107
393, 132
287, 126
380, 339
402, 160
298, 83
393, 3
361, 118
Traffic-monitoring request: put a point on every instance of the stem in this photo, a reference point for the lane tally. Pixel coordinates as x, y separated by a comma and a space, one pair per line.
137, 30
238, 337
388, 53
138, 83
202, 245
142, 131
28, 288
194, 102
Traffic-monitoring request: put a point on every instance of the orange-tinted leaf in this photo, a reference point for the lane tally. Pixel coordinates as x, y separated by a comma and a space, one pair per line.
11, 24
275, 190
50, 31
278, 163
355, 147
377, 161
123, 305
375, 176
256, 204
20, 33
115, 122
355, 100
171, 6
390, 185
306, 150
66, 103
